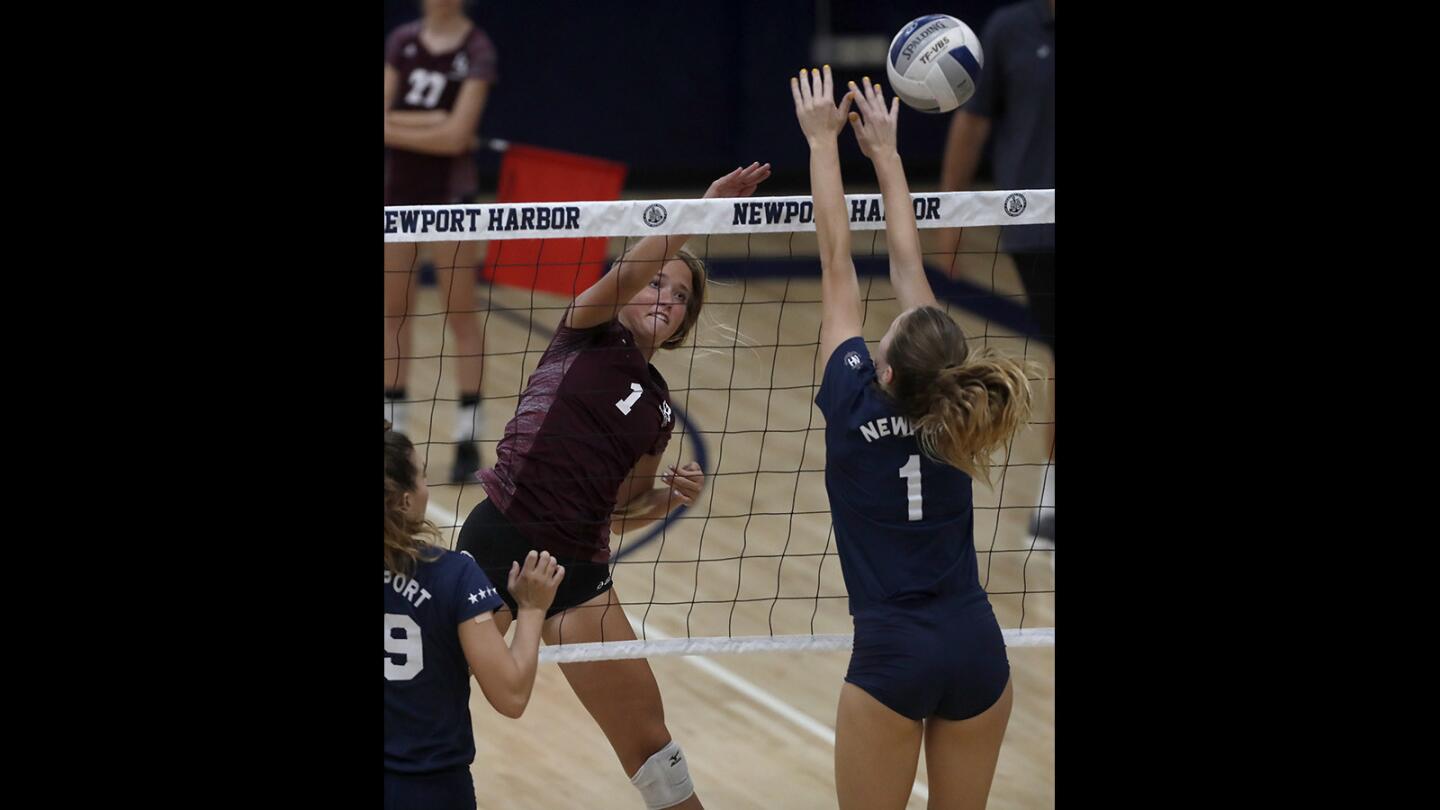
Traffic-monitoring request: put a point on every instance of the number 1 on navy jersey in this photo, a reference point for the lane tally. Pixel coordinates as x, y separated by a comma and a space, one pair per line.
911, 473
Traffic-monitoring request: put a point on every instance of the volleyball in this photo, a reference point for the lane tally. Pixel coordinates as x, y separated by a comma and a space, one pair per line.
934, 63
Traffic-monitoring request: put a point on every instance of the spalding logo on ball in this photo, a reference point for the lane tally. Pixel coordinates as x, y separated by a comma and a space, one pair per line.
934, 63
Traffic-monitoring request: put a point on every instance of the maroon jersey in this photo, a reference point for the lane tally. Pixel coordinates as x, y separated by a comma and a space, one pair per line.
592, 408
431, 81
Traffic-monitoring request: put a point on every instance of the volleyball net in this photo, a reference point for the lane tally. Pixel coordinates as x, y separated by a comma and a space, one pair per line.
752, 565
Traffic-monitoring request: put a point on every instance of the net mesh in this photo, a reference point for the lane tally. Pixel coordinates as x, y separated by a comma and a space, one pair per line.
752, 565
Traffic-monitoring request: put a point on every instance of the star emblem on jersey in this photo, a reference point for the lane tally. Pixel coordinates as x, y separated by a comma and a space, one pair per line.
852, 359
474, 598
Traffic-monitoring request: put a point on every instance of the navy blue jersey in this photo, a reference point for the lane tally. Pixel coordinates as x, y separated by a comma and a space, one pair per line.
427, 682
904, 523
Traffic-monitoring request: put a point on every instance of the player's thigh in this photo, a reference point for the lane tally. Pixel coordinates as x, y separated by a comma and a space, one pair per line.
621, 695
961, 755
877, 751
456, 269
402, 266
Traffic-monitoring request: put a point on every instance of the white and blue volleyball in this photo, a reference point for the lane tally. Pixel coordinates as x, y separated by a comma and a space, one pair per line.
934, 63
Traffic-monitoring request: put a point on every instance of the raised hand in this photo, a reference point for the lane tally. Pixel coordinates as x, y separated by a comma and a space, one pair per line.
739, 183
814, 106
874, 125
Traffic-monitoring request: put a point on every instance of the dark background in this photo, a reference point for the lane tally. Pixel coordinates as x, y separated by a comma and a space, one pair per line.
683, 92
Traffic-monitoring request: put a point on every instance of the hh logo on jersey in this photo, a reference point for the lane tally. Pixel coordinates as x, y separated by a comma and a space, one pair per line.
460, 66
410, 50
664, 413
852, 359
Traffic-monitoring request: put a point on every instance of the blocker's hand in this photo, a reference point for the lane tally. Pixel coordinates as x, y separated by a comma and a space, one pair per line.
876, 130
819, 117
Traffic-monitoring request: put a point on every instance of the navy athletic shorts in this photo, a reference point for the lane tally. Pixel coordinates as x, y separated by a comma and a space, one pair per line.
935, 658
442, 790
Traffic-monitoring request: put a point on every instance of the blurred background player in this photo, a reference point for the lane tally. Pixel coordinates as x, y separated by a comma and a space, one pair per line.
438, 72
1014, 110
929, 662
439, 628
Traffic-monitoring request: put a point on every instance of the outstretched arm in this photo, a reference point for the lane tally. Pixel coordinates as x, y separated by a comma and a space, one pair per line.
876, 134
821, 122
632, 271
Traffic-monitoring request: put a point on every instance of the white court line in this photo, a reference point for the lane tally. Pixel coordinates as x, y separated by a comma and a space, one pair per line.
775, 704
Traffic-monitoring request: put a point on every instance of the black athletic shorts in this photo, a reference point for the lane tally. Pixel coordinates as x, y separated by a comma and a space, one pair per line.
495, 543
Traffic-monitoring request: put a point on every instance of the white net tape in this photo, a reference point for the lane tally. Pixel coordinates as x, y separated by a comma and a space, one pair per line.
563, 220
661, 647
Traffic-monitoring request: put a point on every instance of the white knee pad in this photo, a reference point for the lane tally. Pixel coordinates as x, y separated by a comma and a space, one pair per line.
664, 779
